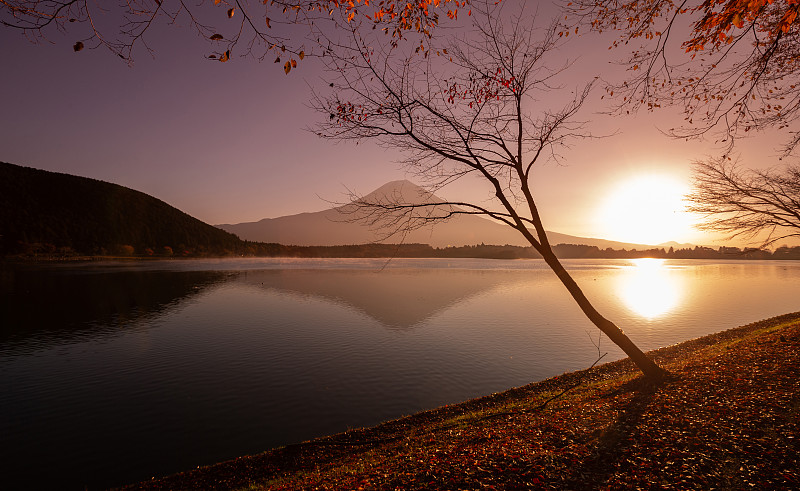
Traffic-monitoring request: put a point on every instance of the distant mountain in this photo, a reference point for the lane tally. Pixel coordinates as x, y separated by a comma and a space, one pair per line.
43, 211
676, 245
331, 227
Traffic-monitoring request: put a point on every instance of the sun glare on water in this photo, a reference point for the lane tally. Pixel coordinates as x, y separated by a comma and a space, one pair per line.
648, 289
646, 210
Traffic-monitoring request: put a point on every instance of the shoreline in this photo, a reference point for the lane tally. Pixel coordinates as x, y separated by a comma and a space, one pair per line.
24, 260
511, 439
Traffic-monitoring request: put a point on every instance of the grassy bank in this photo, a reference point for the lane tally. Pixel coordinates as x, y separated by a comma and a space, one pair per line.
728, 419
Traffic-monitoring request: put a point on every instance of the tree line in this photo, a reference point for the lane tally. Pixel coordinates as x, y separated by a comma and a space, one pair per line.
478, 251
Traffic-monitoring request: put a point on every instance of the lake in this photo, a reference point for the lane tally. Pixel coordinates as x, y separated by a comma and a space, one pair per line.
115, 372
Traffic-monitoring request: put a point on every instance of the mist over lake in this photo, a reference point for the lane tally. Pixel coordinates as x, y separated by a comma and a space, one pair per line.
116, 372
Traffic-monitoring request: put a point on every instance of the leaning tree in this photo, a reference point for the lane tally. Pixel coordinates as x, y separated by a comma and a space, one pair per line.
485, 103
749, 204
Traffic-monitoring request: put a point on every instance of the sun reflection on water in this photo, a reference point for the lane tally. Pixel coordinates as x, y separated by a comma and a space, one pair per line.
648, 289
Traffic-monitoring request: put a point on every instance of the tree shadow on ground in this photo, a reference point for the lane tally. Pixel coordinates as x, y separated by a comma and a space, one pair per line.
613, 443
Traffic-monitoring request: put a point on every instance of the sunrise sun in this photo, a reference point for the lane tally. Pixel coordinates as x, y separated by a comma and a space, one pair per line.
646, 209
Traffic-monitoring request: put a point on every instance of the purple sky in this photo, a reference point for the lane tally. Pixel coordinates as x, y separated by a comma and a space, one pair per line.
227, 143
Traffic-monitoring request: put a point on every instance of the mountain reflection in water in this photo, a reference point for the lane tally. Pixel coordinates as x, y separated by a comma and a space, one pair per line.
397, 299
113, 373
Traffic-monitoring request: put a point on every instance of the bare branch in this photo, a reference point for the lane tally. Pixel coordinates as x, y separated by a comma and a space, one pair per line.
731, 65
279, 27
746, 203
486, 104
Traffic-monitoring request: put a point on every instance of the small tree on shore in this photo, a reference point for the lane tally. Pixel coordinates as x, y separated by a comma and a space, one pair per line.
486, 105
749, 204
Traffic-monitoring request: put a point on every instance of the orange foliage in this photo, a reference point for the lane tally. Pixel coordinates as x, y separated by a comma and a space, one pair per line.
744, 68
721, 17
719, 20
394, 17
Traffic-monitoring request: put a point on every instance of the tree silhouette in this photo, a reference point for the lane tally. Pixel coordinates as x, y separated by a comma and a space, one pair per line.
731, 64
747, 203
262, 27
485, 105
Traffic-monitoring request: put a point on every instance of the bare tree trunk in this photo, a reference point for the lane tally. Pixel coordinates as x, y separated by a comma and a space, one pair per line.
473, 115
614, 333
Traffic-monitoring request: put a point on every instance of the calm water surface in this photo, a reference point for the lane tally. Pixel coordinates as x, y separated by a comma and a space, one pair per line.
115, 372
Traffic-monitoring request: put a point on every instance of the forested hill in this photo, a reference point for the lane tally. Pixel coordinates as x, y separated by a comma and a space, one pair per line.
48, 212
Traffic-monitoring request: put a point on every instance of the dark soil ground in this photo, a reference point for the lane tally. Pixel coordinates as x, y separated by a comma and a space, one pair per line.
727, 418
